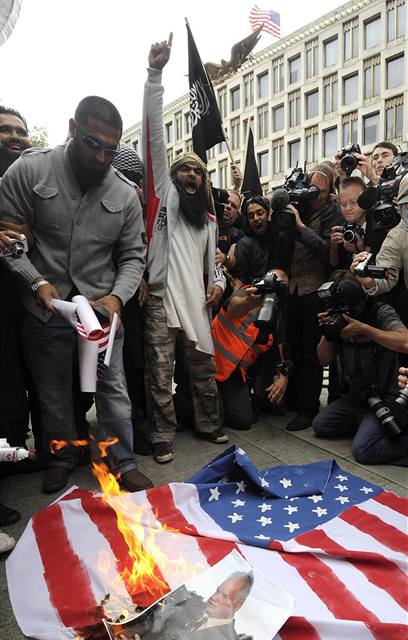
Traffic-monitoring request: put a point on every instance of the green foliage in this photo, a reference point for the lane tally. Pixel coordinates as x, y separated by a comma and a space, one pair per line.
39, 136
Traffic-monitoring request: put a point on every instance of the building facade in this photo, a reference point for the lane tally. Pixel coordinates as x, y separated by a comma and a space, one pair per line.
340, 79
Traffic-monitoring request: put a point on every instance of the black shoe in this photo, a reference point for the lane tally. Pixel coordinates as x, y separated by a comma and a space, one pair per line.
217, 437
84, 456
29, 465
135, 480
8, 516
163, 452
55, 479
300, 422
141, 445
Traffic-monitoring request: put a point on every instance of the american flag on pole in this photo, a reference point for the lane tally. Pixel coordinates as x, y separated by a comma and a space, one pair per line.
268, 18
336, 542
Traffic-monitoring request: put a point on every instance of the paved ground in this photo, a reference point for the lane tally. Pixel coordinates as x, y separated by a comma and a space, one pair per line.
268, 443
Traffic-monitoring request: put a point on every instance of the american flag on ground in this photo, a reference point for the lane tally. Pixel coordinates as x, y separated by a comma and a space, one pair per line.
336, 542
268, 18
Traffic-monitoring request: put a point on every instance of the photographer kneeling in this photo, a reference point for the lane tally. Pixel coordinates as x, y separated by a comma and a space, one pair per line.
244, 329
365, 337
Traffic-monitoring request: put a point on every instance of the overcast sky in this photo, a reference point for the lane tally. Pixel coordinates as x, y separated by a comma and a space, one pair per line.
63, 50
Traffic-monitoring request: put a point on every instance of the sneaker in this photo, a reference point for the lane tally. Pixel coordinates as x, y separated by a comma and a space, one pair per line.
217, 437
300, 422
163, 452
6, 542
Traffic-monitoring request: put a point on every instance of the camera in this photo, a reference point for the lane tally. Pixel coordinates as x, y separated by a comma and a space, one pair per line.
383, 413
348, 160
350, 230
17, 247
295, 190
334, 306
378, 200
364, 269
220, 197
272, 288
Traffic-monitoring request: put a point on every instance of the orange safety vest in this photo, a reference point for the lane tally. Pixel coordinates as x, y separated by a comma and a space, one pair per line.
234, 340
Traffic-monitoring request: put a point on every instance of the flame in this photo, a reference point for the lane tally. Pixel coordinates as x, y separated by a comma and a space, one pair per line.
105, 444
57, 445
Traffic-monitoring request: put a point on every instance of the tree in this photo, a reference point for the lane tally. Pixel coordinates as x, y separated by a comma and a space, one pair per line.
39, 136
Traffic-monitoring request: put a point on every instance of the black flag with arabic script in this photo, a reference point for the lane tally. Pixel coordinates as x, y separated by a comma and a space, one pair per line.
251, 182
205, 118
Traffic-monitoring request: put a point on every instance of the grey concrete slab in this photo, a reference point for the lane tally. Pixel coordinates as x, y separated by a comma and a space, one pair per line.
339, 447
389, 472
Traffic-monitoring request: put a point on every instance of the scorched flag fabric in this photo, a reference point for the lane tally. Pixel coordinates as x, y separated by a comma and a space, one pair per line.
335, 542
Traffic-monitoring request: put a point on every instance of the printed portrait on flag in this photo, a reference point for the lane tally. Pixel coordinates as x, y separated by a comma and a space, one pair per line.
230, 601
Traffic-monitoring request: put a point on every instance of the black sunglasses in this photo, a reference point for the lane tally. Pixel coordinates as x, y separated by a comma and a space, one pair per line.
96, 146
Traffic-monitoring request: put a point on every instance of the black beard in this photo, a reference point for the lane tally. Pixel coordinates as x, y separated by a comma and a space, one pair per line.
7, 158
86, 176
193, 207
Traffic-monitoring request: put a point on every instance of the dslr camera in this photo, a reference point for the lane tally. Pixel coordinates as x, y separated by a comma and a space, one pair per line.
334, 305
296, 191
378, 200
351, 230
272, 289
17, 248
392, 414
221, 197
348, 160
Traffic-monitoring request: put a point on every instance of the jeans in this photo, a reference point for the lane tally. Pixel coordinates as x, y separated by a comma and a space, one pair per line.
236, 401
370, 444
49, 351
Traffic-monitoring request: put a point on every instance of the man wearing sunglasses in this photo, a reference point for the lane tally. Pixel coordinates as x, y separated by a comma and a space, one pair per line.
79, 209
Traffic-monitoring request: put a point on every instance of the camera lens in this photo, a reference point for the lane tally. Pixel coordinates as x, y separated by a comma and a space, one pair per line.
348, 163
349, 235
16, 248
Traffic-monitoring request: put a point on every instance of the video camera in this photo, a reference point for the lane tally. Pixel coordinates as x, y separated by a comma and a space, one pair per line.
272, 288
378, 200
393, 414
295, 190
17, 248
334, 305
348, 160
364, 269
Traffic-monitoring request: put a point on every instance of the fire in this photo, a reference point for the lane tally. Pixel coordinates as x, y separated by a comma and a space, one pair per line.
57, 445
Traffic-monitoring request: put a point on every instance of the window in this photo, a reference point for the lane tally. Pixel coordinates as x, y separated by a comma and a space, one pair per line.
330, 142
212, 176
312, 104
330, 91
169, 132
135, 145
189, 147
263, 85
223, 174
350, 89
312, 58
251, 124
294, 153
178, 152
169, 156
294, 109
248, 90
263, 163
371, 128
222, 147
211, 153
372, 32
235, 134
278, 117
331, 52
277, 156
312, 138
395, 72
179, 125
235, 98
278, 78
294, 70
222, 101
263, 131
349, 124
350, 39
394, 118
372, 77
187, 123
395, 19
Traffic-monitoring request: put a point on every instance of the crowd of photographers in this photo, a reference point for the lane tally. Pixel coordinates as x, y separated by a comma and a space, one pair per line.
316, 276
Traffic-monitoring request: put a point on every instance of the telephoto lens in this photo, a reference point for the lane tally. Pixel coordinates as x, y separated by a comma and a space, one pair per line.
384, 417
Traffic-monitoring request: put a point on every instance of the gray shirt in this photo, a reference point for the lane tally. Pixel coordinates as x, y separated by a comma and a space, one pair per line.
74, 235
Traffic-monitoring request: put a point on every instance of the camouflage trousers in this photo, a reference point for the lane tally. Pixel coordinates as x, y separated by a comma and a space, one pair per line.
160, 341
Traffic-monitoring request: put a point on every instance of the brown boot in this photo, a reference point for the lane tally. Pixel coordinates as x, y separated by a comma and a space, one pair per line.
135, 480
